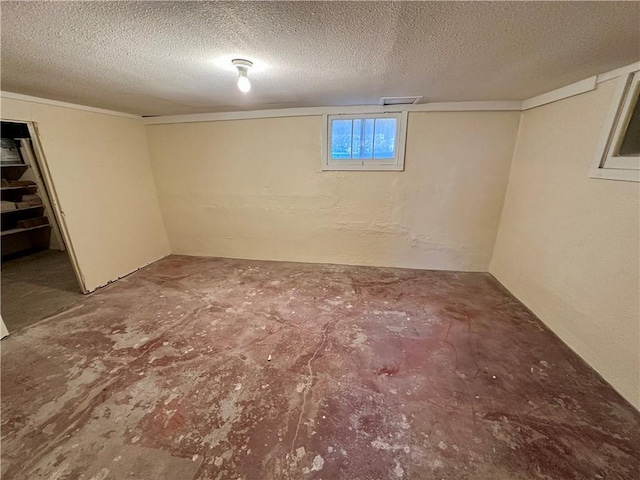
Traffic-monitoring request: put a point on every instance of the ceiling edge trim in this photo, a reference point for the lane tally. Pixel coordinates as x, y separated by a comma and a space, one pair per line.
56, 103
508, 106
577, 88
634, 67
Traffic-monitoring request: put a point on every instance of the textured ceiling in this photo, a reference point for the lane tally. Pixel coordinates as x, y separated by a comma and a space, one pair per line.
154, 58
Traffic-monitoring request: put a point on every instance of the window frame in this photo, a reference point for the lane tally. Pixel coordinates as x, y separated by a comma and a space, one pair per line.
374, 164
607, 164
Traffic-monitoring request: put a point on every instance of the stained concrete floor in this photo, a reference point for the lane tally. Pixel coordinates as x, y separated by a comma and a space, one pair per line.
375, 373
37, 286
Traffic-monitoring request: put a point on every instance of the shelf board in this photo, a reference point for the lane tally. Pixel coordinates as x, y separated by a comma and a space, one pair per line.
22, 209
18, 188
20, 230
13, 171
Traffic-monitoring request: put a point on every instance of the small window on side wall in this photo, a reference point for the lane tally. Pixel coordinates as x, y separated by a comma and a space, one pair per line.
364, 142
618, 154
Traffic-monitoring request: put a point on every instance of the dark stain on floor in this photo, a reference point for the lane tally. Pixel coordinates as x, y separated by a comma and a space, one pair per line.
375, 373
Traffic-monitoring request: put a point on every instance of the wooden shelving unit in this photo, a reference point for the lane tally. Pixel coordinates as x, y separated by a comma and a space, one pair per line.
17, 233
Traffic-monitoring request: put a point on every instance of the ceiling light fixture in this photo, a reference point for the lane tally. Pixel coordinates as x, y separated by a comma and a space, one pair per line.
243, 66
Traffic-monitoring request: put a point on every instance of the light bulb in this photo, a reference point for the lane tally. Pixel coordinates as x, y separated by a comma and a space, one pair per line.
244, 85
243, 66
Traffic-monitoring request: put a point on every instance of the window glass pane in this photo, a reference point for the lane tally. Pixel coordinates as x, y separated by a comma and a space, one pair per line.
340, 139
356, 145
630, 146
385, 138
362, 138
369, 125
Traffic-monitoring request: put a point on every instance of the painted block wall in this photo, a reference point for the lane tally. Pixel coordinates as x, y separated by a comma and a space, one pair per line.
101, 170
568, 245
254, 189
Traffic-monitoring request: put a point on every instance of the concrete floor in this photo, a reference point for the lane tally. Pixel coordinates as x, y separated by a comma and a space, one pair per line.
37, 286
375, 374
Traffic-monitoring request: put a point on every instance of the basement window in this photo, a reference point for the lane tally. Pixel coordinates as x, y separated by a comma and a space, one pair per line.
618, 154
364, 142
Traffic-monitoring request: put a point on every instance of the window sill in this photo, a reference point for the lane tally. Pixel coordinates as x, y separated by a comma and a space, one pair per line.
364, 168
616, 174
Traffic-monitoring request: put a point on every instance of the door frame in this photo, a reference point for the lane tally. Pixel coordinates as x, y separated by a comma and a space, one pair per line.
43, 173
3, 328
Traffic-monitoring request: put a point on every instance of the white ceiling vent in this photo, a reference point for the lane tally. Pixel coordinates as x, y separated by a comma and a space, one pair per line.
400, 100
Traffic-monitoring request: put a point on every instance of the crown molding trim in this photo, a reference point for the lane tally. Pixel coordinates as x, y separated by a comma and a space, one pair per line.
75, 106
347, 110
577, 88
634, 67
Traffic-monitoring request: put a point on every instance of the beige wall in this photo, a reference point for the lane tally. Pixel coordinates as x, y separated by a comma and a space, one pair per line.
254, 189
568, 245
101, 171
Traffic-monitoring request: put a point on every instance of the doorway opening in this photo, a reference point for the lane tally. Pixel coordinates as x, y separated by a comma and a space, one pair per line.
39, 274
